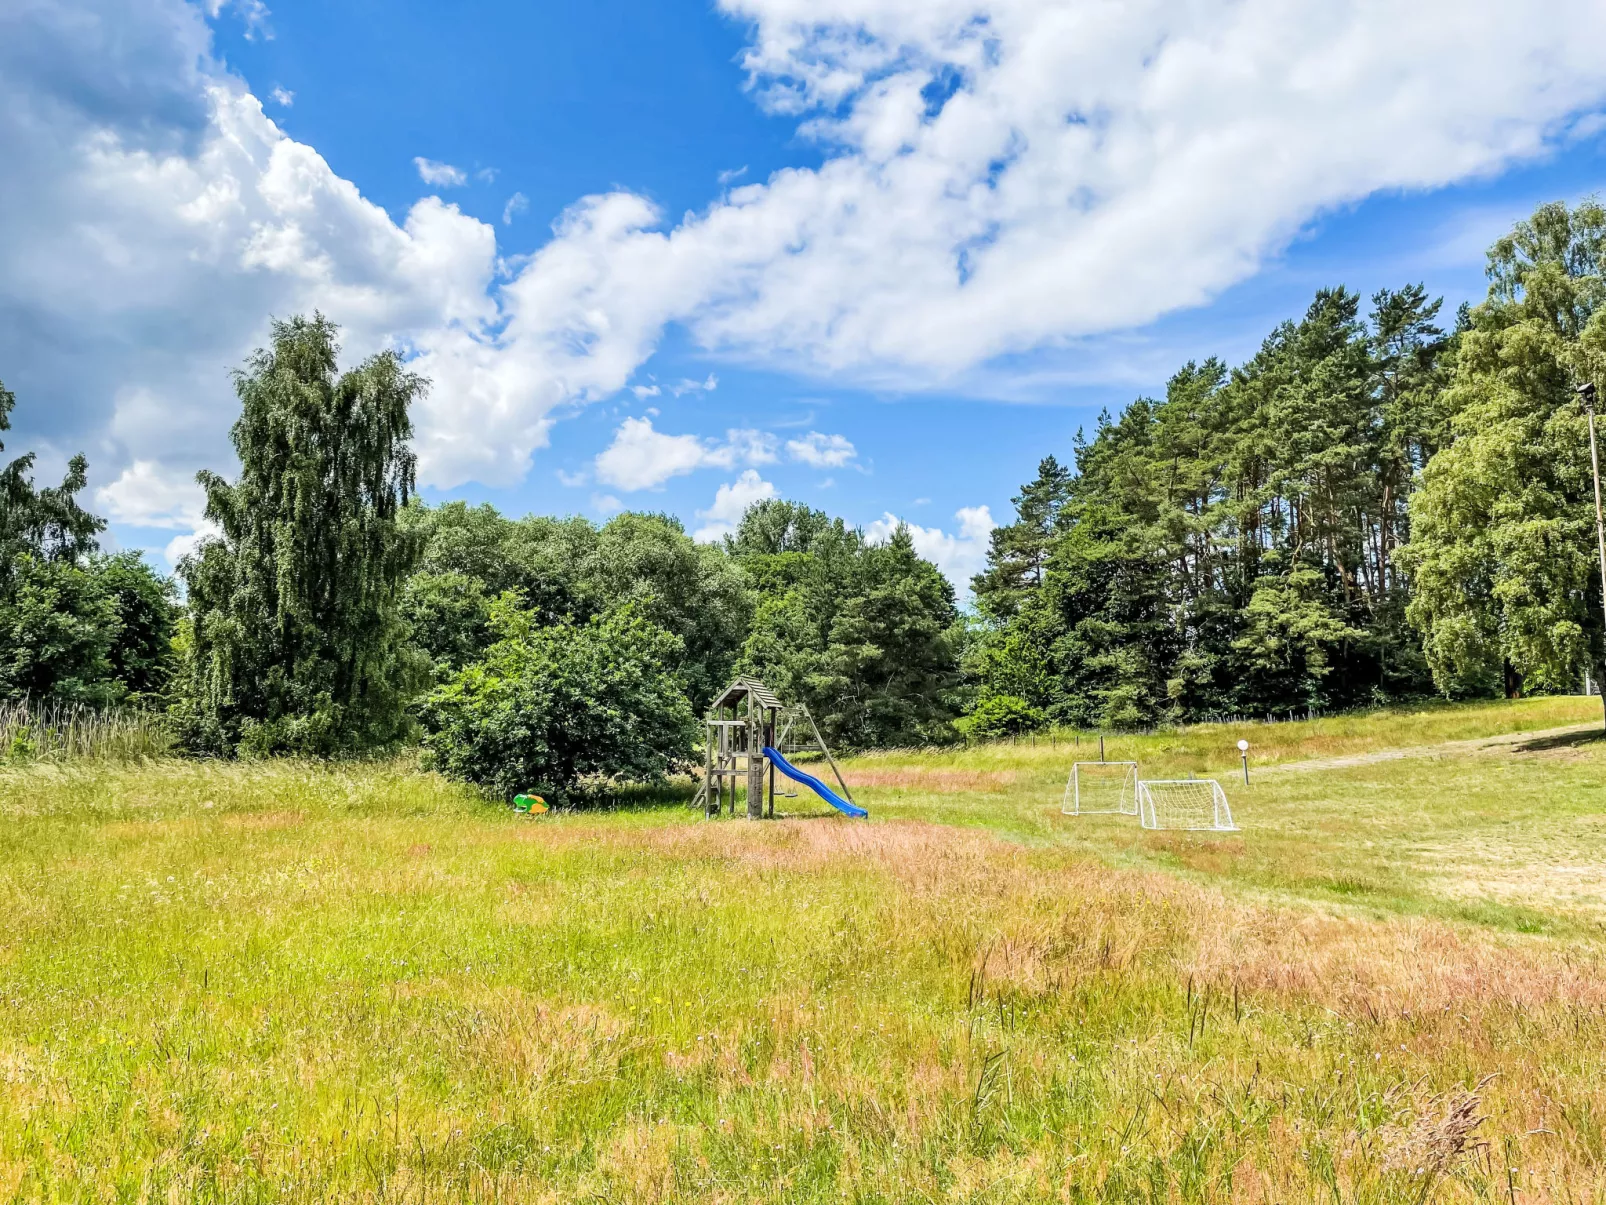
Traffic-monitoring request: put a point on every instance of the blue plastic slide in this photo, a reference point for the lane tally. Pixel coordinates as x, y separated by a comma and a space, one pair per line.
815, 785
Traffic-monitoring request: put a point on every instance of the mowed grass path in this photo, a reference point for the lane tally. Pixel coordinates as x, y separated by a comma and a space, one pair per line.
1422, 810
293, 983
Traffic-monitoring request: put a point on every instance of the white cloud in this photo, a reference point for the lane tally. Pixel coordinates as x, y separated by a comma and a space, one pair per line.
822, 451
643, 392
253, 14
282, 97
573, 480
685, 385
181, 546
1095, 165
606, 504
144, 258
731, 501
516, 204
960, 556
441, 175
641, 457
147, 495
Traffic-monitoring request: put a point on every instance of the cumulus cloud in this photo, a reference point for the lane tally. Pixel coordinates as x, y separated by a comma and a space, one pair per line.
641, 457
516, 204
147, 495
1078, 169
960, 556
282, 97
181, 546
441, 175
821, 451
996, 175
731, 501
166, 217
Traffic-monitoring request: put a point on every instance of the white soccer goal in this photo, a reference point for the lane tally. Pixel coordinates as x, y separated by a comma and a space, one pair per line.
1187, 803
1101, 788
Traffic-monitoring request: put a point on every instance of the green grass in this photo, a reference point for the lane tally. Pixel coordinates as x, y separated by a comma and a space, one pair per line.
297, 983
1423, 812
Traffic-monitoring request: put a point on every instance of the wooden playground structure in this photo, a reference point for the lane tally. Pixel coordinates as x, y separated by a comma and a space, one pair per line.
749, 733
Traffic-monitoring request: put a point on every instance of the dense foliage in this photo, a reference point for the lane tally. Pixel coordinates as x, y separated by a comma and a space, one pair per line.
1230, 548
298, 641
75, 626
572, 569
1503, 554
862, 633
549, 706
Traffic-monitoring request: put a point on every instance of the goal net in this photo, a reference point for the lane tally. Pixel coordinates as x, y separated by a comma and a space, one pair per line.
1191, 803
1101, 788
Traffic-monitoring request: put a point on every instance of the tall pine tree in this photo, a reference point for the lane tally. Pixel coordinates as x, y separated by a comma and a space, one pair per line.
1018, 553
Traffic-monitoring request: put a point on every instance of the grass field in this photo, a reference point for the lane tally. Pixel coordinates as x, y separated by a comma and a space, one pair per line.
280, 982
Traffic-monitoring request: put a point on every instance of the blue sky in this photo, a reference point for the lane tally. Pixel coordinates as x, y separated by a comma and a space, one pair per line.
927, 285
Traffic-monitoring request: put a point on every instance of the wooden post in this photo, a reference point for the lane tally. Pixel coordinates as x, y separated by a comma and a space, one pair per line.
710, 800
755, 759
769, 739
727, 765
835, 769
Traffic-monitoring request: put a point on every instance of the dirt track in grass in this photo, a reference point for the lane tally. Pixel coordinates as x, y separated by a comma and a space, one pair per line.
1545, 740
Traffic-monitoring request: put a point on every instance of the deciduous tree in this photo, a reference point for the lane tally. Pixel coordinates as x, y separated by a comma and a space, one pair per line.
298, 643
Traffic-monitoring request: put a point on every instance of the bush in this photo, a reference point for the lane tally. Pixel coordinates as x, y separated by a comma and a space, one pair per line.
999, 716
58, 626
550, 707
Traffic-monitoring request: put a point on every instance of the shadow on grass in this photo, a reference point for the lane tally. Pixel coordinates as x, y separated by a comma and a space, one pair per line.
1564, 740
629, 797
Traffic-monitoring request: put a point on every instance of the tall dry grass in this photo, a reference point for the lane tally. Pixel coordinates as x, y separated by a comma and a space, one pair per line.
32, 731
287, 982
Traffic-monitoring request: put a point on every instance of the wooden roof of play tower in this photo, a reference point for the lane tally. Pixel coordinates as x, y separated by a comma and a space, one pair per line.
740, 688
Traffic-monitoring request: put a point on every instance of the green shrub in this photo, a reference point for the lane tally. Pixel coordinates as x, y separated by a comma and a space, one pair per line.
1001, 715
551, 707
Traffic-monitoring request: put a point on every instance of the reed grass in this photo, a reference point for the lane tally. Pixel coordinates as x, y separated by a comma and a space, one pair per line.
32, 731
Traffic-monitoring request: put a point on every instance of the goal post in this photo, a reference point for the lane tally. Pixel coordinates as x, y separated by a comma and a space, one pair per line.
1101, 788
1187, 803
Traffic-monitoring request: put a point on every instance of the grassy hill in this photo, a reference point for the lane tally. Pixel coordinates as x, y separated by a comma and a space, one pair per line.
360, 983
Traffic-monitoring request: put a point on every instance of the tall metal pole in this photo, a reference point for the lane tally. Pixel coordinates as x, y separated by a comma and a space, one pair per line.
1586, 392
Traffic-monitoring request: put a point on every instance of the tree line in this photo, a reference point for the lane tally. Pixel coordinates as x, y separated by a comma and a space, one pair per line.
1373, 507
333, 613
1377, 505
